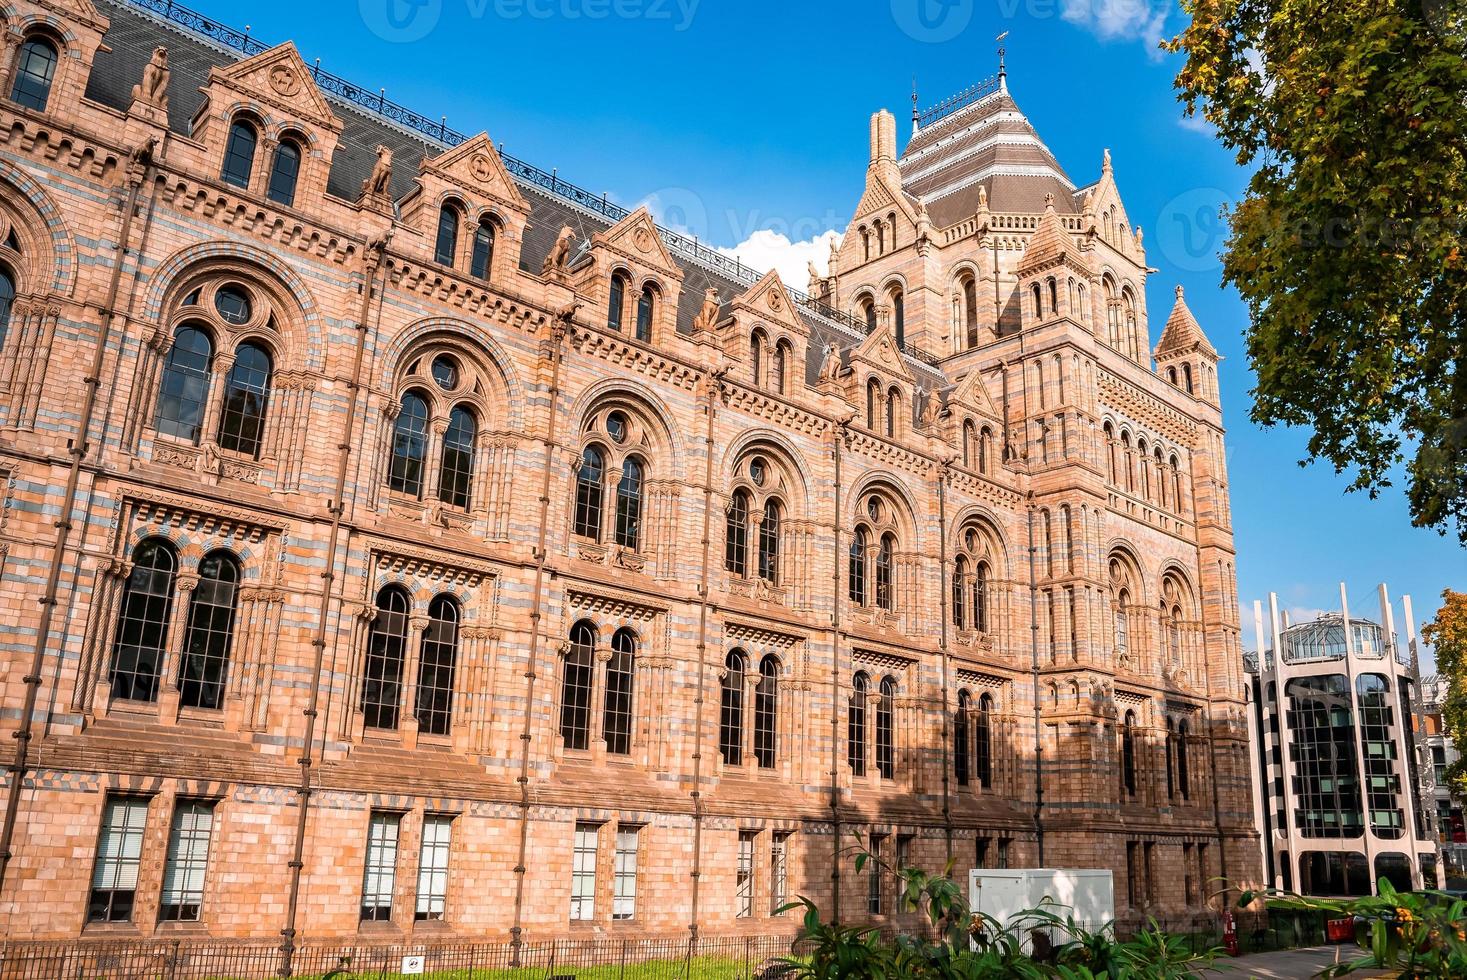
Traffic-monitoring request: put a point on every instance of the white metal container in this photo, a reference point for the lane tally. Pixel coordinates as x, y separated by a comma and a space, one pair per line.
1085, 894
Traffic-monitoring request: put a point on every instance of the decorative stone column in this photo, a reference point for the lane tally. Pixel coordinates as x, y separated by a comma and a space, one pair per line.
93, 687
407, 697
168, 694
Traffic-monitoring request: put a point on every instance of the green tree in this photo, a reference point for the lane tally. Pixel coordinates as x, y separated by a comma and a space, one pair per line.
1348, 243
1448, 635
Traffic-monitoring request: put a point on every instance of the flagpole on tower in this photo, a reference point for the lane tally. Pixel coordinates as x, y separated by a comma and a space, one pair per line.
1003, 74
914, 105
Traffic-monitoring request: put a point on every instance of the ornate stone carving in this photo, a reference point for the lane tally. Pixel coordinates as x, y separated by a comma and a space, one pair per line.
153, 89
284, 80
708, 314
559, 256
379, 182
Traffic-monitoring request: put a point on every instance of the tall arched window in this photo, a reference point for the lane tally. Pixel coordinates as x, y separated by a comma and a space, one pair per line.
646, 304
984, 438
185, 386
204, 665
766, 713
1123, 622
873, 396
1171, 778
142, 622
445, 249
629, 504
892, 401
960, 577
856, 724
621, 673
589, 493
868, 312
456, 462
984, 739
970, 438
7, 300
769, 542
970, 312
731, 709
885, 733
575, 687
1187, 378
239, 154
899, 319
437, 663
736, 536
885, 557
756, 356
285, 170
980, 597
409, 445
35, 69
1184, 775
856, 589
616, 305
960, 737
1128, 754
246, 396
777, 368
386, 650
481, 259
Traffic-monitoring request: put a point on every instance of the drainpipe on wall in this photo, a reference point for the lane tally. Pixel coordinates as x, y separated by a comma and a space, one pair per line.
1034, 675
372, 263
942, 591
137, 174
839, 435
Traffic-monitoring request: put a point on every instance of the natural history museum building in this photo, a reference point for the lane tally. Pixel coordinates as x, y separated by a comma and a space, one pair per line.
395, 537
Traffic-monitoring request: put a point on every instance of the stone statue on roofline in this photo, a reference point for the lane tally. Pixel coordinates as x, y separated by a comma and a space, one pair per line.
708, 313
830, 366
377, 185
559, 256
153, 89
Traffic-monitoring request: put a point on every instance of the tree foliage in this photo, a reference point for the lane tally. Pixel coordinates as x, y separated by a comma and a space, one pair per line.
1448, 635
1348, 244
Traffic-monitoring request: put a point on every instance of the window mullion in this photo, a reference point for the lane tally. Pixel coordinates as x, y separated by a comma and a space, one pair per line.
433, 457
219, 370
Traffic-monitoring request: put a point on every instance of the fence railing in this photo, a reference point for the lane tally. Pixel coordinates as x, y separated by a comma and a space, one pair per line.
716, 958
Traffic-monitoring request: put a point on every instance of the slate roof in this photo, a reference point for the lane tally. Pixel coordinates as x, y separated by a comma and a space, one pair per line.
134, 32
1182, 331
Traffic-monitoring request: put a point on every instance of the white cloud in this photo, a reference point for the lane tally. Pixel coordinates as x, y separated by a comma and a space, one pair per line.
1196, 123
766, 249
1110, 20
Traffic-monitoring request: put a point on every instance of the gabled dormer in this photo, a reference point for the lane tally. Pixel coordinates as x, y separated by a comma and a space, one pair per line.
880, 386
46, 52
974, 426
632, 280
1054, 275
885, 219
468, 211
1185, 357
765, 336
267, 129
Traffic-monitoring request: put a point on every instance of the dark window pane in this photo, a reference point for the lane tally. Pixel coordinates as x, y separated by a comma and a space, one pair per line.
7, 299
615, 307
629, 505
239, 154
185, 385
766, 713
210, 630
575, 688
456, 469
246, 396
856, 726
436, 665
409, 446
616, 723
885, 746
35, 68
483, 258
382, 673
589, 494
731, 710
142, 623
284, 171
736, 535
769, 543
644, 314
446, 248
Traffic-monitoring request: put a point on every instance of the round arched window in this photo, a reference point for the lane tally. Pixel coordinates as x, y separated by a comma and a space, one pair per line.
757, 471
873, 508
233, 304
616, 426
445, 372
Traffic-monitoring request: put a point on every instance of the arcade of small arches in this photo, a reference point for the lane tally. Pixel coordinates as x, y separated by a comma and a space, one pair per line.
1145, 469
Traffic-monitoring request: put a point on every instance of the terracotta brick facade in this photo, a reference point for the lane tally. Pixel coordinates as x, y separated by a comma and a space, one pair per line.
1039, 444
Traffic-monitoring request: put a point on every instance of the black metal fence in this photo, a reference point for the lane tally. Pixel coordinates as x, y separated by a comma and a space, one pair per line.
719, 958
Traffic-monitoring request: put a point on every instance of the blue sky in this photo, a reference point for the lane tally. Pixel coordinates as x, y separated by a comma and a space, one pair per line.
736, 117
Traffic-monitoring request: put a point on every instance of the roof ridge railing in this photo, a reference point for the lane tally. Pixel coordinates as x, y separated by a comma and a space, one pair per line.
953, 103
439, 132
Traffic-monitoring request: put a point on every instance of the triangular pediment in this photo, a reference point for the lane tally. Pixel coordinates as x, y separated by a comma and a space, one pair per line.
973, 393
636, 237
475, 165
279, 77
83, 10
879, 350
767, 299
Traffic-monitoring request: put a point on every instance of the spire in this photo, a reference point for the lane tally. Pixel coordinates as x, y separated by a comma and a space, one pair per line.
1003, 73
1051, 243
1182, 332
915, 113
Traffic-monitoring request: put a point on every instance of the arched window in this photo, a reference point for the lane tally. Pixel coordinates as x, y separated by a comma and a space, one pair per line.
646, 303
766, 713
899, 319
1187, 378
984, 740
756, 356
969, 439
857, 586
456, 462
409, 445
1176, 484
629, 504
1174, 634
1184, 776
960, 737
481, 259
185, 386
386, 649
731, 710
239, 154
142, 623
575, 687
445, 249
1128, 754
35, 69
856, 724
868, 312
980, 597
1053, 297
589, 493
736, 536
285, 170
205, 662
885, 735
873, 396
1036, 302
616, 306
777, 368
885, 557
7, 300
892, 397
1123, 622
246, 395
970, 312
621, 673
437, 662
960, 578
769, 542
1171, 776
984, 438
